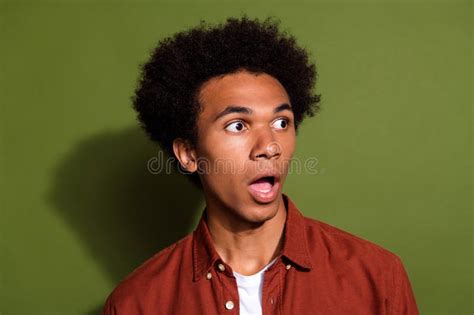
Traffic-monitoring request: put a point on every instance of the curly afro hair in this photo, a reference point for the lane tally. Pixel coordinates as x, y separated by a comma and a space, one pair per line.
166, 98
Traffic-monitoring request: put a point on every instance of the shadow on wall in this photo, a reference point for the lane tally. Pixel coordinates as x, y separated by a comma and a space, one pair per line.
122, 212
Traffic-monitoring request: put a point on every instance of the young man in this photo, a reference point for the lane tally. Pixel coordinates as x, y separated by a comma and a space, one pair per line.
227, 101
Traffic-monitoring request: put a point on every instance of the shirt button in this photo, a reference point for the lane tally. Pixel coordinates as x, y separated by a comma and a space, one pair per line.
209, 276
221, 267
288, 267
229, 305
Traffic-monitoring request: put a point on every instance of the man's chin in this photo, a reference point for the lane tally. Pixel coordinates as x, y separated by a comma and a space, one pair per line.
259, 214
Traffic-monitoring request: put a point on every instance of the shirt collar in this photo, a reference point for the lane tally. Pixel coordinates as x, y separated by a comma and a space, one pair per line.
294, 248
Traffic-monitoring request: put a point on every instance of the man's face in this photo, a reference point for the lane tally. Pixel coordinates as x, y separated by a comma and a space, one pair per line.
246, 130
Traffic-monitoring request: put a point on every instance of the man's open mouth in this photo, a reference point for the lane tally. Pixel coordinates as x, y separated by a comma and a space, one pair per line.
263, 184
265, 187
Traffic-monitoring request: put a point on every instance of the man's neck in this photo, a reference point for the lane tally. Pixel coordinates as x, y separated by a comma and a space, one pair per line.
246, 247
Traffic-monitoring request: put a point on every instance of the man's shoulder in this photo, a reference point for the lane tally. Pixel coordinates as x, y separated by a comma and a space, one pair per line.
343, 245
154, 271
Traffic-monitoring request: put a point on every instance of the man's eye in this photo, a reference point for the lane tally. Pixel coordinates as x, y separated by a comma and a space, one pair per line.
281, 123
236, 126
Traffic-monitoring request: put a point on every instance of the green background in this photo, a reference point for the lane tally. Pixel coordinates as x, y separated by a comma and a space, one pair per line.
79, 210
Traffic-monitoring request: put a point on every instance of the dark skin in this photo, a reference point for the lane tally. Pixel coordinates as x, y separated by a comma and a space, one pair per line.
247, 233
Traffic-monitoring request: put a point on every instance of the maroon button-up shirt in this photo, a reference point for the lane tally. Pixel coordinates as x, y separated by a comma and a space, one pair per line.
320, 270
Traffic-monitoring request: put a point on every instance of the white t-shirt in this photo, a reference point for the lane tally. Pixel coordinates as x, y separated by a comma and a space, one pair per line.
250, 291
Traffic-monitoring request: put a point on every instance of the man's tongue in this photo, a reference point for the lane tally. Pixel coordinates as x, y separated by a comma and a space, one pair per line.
262, 184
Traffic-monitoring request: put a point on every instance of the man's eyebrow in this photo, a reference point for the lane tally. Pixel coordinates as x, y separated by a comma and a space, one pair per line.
282, 107
245, 110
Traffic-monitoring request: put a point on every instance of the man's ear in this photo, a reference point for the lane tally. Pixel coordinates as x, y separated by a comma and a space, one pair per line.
186, 154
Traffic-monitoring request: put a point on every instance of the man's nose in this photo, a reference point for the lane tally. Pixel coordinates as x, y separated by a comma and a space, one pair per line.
265, 145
